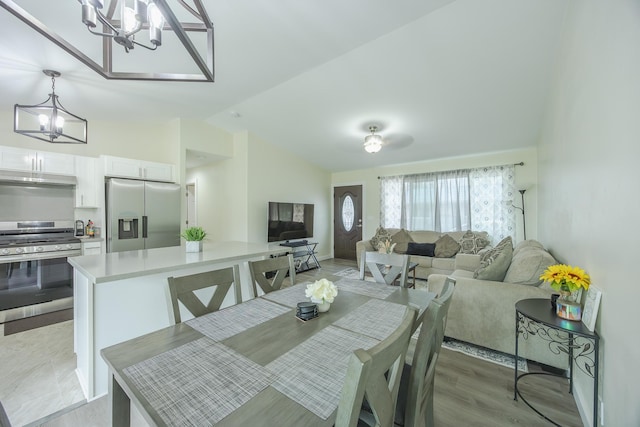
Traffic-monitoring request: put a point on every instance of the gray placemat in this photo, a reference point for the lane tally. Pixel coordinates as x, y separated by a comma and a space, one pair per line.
235, 319
290, 296
370, 289
198, 383
313, 373
375, 318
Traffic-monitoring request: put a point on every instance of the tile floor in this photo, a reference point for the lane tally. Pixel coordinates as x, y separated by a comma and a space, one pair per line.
37, 372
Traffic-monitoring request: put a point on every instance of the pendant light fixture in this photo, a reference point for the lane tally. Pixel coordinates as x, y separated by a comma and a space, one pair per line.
132, 23
373, 142
49, 121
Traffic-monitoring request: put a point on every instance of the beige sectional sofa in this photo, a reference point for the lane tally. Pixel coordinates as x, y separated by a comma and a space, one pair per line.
482, 312
428, 265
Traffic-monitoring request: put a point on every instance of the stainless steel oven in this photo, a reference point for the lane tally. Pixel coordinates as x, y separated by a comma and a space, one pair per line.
35, 277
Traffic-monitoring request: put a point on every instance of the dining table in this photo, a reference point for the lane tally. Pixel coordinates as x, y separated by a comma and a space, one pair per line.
255, 363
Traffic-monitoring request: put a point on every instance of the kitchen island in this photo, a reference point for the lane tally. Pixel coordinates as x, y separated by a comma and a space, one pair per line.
122, 295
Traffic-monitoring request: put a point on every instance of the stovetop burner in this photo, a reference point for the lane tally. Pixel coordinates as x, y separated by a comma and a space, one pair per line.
23, 238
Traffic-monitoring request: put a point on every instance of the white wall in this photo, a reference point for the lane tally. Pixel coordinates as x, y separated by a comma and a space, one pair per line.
233, 194
588, 185
277, 175
153, 141
526, 178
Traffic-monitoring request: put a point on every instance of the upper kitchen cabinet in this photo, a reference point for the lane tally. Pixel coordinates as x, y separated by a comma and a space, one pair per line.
138, 169
36, 161
88, 182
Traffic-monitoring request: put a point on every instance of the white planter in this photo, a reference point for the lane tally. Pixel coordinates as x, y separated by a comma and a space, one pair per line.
194, 246
324, 307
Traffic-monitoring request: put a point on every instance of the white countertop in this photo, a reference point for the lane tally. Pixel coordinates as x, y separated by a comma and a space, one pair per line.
125, 265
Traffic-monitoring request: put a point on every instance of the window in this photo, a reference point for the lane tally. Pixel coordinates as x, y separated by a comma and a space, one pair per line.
467, 199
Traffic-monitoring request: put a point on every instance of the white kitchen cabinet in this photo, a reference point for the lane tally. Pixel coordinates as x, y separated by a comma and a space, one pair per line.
36, 161
91, 248
87, 186
138, 169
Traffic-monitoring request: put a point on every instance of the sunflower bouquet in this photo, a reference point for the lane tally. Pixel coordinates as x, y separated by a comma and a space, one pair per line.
563, 277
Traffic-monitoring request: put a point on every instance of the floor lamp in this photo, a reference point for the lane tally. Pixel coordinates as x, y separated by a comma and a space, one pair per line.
524, 223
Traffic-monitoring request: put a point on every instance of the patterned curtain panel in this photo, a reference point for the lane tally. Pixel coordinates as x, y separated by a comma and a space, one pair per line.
390, 201
492, 194
467, 199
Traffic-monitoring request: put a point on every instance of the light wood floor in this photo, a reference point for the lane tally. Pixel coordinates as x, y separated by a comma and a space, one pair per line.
469, 391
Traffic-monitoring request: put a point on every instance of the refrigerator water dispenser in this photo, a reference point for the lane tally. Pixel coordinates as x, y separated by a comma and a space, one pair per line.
127, 228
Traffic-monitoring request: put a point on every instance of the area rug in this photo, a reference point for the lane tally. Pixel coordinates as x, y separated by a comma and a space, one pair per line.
484, 354
349, 273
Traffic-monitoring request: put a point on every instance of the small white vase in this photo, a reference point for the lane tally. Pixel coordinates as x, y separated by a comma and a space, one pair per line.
324, 307
194, 246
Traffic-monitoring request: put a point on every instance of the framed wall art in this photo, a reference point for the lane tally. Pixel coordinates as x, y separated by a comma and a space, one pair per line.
591, 306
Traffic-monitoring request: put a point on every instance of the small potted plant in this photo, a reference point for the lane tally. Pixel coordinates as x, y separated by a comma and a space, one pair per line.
194, 237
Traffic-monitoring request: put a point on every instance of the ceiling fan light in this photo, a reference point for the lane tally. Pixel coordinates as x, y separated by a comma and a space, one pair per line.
372, 143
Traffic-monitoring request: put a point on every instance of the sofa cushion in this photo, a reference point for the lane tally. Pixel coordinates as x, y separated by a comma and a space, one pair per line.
425, 236
495, 262
527, 244
381, 236
446, 247
402, 239
472, 242
424, 249
527, 265
443, 263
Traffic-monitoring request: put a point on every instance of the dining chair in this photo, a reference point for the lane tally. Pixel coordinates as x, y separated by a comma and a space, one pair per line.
182, 289
4, 418
385, 268
270, 273
415, 398
374, 375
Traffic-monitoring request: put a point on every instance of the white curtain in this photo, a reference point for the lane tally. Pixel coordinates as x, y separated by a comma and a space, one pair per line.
467, 199
492, 193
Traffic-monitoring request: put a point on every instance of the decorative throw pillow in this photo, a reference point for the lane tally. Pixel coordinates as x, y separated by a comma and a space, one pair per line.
527, 265
401, 239
495, 262
382, 235
472, 243
446, 247
424, 249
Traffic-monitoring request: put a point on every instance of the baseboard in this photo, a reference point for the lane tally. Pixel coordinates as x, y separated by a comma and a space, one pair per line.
585, 408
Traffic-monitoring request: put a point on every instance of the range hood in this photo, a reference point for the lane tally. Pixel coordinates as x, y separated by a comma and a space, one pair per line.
19, 177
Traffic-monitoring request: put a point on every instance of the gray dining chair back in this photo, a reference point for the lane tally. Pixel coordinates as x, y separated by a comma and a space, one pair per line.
183, 288
4, 418
415, 399
374, 375
270, 273
385, 268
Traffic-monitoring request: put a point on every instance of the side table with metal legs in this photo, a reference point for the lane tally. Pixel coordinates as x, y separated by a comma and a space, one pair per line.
535, 317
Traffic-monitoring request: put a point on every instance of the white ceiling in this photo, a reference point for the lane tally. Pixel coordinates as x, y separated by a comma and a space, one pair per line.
439, 78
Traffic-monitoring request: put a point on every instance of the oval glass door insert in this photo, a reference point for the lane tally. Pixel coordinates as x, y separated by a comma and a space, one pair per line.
348, 214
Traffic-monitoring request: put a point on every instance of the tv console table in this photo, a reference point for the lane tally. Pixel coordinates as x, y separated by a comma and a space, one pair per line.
303, 257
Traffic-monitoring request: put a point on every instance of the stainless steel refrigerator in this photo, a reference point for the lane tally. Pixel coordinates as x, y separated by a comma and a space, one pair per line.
142, 214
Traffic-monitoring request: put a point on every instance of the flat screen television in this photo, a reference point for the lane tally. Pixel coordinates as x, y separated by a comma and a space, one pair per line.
289, 221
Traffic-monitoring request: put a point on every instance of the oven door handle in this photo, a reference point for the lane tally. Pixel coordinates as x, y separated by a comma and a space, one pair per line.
39, 256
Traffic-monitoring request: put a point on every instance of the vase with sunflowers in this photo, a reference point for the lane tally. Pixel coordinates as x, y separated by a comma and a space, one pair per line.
569, 282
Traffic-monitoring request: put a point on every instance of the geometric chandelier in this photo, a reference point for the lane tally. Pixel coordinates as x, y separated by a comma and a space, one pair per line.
50, 123
119, 27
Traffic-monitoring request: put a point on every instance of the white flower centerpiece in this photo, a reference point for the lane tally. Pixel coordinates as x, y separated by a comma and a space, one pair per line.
322, 292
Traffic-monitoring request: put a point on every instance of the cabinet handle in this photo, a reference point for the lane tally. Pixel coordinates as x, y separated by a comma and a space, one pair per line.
33, 164
40, 165
82, 200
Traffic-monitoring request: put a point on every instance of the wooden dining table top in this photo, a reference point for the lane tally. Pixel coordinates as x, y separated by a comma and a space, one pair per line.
153, 369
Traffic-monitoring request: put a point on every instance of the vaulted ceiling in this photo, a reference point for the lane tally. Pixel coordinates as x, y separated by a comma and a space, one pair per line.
439, 78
